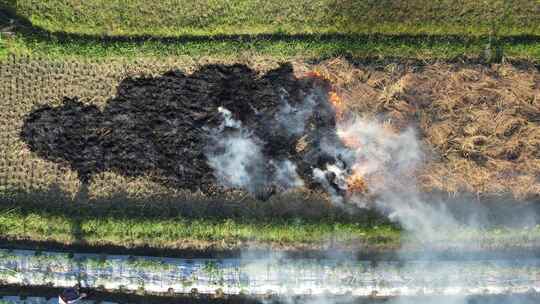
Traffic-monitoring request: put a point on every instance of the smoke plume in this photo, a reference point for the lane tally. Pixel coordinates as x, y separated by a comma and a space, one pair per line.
235, 154
371, 164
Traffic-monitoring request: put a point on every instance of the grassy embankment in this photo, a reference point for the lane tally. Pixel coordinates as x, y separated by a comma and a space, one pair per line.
419, 29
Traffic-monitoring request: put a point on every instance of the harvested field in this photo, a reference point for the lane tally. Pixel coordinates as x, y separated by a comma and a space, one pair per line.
468, 117
403, 132
480, 123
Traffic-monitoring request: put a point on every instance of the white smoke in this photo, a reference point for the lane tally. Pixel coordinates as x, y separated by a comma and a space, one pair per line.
394, 158
431, 300
389, 160
285, 174
293, 119
228, 120
236, 156
239, 162
335, 173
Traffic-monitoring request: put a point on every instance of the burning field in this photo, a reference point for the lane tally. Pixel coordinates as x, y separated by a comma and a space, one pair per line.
226, 128
221, 127
354, 132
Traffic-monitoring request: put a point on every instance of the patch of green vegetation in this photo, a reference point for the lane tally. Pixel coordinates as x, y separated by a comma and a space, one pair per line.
3, 48
211, 17
156, 265
228, 234
313, 29
181, 232
317, 47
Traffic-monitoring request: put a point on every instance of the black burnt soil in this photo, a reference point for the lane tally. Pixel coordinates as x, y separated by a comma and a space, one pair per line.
162, 126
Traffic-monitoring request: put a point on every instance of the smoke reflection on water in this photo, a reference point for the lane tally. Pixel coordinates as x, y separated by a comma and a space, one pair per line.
275, 275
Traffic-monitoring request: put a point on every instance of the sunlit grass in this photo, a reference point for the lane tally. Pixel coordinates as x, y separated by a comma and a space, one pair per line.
182, 233
210, 17
311, 47
179, 232
312, 29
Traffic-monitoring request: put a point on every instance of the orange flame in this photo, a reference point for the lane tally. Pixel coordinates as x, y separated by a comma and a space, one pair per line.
314, 74
349, 140
338, 104
356, 182
333, 96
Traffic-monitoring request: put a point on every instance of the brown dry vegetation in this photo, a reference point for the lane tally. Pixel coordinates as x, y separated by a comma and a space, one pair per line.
481, 124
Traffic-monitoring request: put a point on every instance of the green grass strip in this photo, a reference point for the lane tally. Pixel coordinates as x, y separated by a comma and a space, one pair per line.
317, 47
317, 29
229, 234
177, 232
209, 17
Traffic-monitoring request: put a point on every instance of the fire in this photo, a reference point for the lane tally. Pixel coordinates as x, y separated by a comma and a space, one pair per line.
338, 105
314, 74
333, 96
356, 181
349, 140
